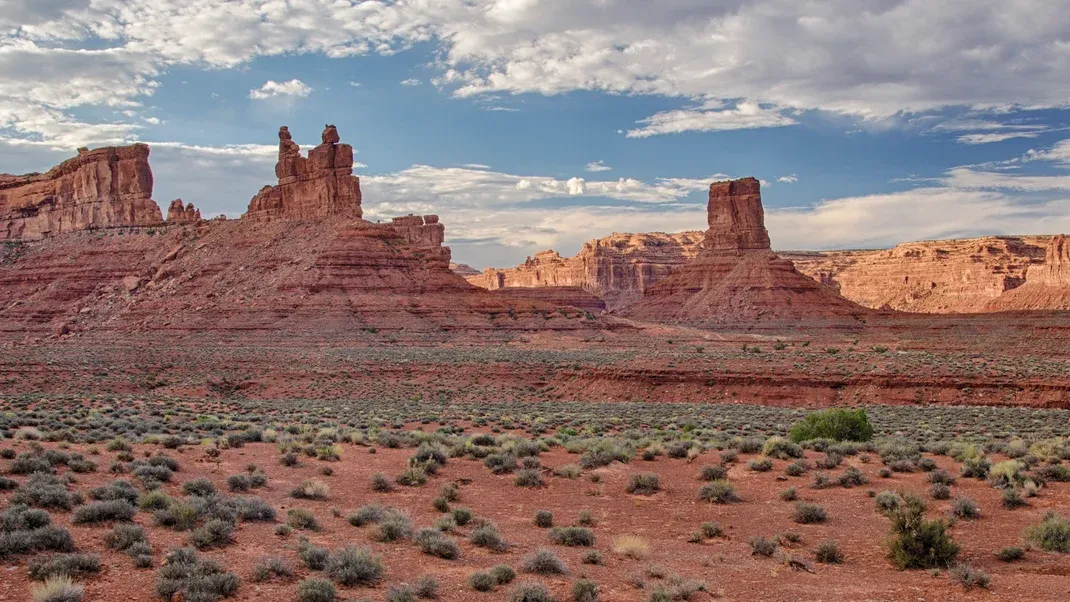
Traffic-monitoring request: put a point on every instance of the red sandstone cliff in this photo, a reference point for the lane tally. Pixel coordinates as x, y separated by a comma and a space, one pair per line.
617, 268
1047, 286
99, 188
736, 278
320, 186
942, 276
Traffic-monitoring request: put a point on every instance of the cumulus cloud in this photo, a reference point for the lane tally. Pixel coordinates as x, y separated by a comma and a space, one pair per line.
790, 179
412, 81
597, 166
272, 89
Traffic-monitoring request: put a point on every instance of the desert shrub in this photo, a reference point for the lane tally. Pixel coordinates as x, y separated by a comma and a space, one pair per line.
572, 536
367, 514
1010, 554
592, 557
915, 542
266, 568
102, 511
123, 536
710, 530
763, 465
838, 424
394, 526
200, 487
762, 546
381, 483
544, 519
645, 483
939, 491
45, 491
60, 588
1052, 533
462, 516
400, 593
631, 546
352, 566
195, 578
718, 492
1012, 499
434, 543
605, 452
154, 500
301, 518
976, 468
887, 501
42, 569
544, 562
964, 507
503, 573
426, 587
781, 448
852, 477
487, 536
585, 519
796, 469
239, 482
807, 513
482, 581
790, 494
710, 472
315, 557
414, 476
529, 477
115, 490
940, 476
213, 533
830, 461
584, 590
29, 463
7, 484
253, 509
969, 576
899, 451
311, 489
828, 552
531, 592
568, 471
316, 589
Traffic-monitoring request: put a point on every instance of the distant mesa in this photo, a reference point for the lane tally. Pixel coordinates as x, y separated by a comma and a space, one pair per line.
320, 186
106, 187
736, 277
1047, 286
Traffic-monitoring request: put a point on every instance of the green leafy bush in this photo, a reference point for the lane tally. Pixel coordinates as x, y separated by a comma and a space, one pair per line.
838, 424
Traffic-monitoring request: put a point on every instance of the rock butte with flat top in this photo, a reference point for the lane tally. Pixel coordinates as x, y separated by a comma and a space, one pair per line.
737, 278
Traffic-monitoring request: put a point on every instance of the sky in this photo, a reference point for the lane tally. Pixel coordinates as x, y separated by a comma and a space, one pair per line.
535, 124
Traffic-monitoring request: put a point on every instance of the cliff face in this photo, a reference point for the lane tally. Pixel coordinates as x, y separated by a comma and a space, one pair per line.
424, 233
320, 186
617, 268
946, 276
1047, 286
100, 188
737, 279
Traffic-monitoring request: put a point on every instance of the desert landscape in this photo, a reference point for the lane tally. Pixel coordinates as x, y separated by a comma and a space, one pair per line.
301, 404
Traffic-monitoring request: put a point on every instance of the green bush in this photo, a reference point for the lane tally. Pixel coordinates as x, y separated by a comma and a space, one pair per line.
544, 519
644, 483
584, 590
838, 424
807, 513
1051, 534
351, 566
316, 589
544, 562
828, 552
98, 512
572, 536
718, 492
531, 592
42, 569
917, 543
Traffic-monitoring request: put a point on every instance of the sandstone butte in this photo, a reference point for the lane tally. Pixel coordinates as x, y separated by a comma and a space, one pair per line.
101, 188
302, 258
177, 213
1047, 285
737, 278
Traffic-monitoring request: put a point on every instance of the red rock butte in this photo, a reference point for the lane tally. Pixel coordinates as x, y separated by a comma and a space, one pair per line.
99, 188
177, 213
736, 278
322, 185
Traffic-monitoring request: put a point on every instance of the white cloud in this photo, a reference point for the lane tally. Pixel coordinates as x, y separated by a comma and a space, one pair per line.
790, 179
412, 81
272, 89
713, 116
355, 84
597, 166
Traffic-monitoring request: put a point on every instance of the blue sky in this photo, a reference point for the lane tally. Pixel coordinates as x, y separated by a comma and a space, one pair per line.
529, 124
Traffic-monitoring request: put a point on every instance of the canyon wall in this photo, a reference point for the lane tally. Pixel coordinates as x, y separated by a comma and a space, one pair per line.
617, 268
943, 276
316, 187
101, 188
1047, 285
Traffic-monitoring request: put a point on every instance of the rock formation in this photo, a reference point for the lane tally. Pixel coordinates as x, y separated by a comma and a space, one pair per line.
182, 214
320, 186
572, 296
1047, 286
942, 276
736, 278
463, 270
616, 268
101, 188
